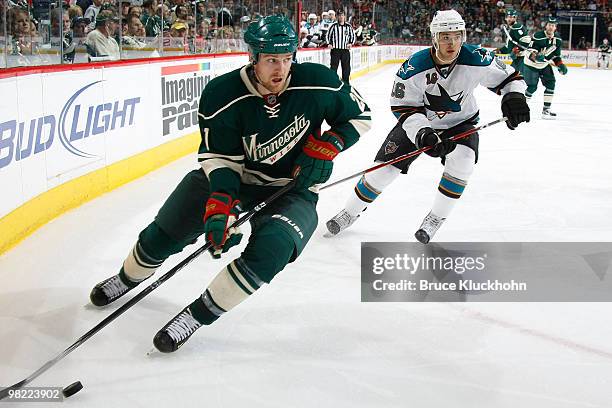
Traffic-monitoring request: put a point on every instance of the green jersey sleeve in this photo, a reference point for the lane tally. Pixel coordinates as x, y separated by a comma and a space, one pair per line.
221, 152
348, 115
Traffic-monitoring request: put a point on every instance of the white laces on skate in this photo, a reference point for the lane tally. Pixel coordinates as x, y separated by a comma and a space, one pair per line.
431, 224
182, 326
114, 287
340, 222
344, 219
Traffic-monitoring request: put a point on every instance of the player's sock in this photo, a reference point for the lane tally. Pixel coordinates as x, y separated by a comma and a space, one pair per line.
230, 287
369, 187
458, 168
138, 265
548, 97
449, 191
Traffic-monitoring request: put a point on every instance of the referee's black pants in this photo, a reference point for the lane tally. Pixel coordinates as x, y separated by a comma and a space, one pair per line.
339, 55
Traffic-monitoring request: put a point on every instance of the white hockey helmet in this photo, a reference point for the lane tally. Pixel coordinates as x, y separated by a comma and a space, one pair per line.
311, 16
445, 21
605, 41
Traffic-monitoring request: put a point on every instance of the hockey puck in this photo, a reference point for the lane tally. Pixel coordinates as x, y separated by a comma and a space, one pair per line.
72, 389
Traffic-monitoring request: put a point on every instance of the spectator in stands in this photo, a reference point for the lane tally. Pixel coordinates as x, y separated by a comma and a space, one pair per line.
224, 18
159, 22
178, 30
100, 42
74, 11
200, 11
21, 35
20, 22
135, 32
148, 10
125, 8
4, 14
135, 11
228, 40
69, 45
582, 44
79, 26
92, 12
182, 13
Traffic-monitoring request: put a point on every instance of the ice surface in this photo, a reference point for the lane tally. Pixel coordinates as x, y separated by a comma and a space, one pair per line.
306, 340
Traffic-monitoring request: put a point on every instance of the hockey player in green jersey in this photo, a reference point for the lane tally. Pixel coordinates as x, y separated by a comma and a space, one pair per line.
544, 51
516, 40
260, 128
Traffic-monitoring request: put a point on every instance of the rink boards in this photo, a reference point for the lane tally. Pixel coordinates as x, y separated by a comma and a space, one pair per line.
69, 134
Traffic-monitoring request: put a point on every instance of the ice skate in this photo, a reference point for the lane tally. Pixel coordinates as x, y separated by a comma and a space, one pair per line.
340, 222
547, 114
428, 228
110, 290
176, 332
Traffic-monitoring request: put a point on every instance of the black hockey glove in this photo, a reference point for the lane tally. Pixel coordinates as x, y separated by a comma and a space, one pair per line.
515, 108
427, 137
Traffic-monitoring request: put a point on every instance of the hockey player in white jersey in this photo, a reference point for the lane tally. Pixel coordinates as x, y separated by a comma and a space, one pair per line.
433, 100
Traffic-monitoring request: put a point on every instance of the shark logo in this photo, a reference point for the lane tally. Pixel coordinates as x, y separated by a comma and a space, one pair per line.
485, 55
444, 103
405, 70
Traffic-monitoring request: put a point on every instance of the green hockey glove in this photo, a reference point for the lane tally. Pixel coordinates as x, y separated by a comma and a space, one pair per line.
221, 212
562, 68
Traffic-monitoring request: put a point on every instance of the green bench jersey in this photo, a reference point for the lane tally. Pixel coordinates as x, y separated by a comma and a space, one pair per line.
550, 48
254, 139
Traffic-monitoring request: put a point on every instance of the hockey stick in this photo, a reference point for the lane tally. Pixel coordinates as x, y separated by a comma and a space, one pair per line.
412, 154
5, 392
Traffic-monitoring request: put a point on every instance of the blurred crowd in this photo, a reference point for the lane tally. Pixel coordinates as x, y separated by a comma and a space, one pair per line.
112, 29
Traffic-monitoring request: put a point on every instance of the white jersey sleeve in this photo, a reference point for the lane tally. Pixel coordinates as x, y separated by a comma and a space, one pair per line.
408, 105
428, 95
501, 78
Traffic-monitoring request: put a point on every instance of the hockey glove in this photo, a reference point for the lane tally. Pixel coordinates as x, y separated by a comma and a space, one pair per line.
537, 57
562, 68
514, 107
427, 137
314, 165
221, 212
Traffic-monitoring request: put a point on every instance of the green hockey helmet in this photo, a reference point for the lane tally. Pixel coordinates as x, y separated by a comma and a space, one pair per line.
551, 20
271, 35
511, 13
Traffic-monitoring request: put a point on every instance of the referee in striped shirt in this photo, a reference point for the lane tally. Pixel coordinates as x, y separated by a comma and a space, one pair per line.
341, 36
